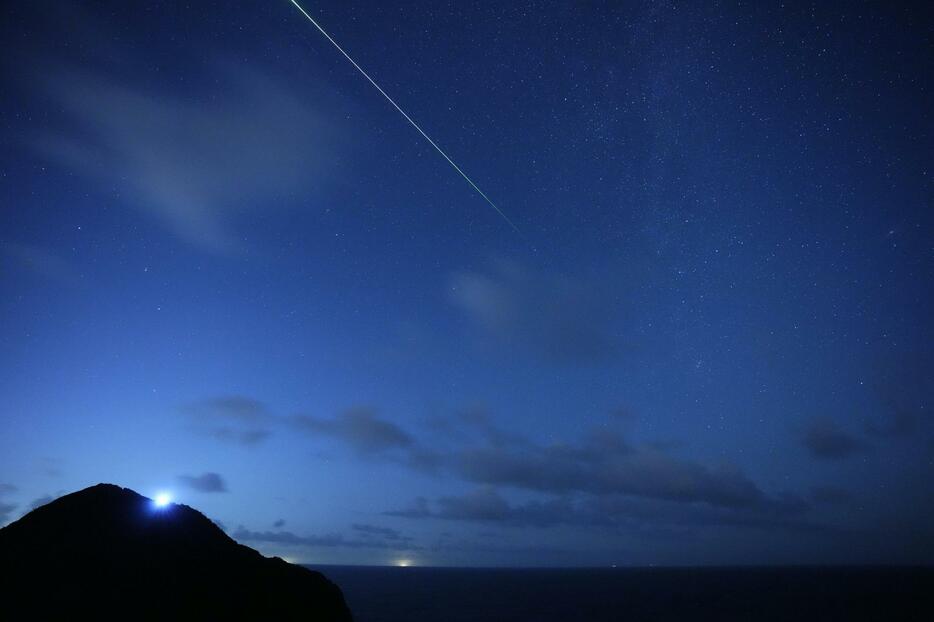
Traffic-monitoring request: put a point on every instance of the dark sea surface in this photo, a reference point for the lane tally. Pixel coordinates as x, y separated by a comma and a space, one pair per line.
387, 594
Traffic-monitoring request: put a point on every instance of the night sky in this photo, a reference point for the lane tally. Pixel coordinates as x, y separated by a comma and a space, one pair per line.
231, 271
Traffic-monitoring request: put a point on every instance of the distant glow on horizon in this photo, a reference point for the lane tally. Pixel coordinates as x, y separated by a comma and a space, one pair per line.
162, 499
404, 563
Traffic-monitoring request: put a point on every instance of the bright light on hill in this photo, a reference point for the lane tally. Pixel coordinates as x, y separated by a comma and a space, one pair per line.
162, 499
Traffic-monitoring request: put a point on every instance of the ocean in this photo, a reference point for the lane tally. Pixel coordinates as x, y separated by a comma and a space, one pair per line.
390, 594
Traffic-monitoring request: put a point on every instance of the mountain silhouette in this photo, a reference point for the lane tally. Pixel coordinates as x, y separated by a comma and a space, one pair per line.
108, 552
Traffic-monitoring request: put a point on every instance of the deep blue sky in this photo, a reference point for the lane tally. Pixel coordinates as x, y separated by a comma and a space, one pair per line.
229, 269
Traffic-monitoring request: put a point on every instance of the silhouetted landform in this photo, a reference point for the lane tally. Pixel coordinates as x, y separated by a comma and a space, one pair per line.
108, 552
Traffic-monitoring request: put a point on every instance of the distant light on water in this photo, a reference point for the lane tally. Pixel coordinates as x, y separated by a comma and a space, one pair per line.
162, 499
404, 563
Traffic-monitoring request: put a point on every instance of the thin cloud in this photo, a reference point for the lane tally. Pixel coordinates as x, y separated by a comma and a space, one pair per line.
35, 503
606, 465
192, 161
234, 407
831, 495
332, 540
239, 436
613, 512
603, 463
6, 509
231, 418
206, 482
904, 392
558, 319
360, 428
486, 504
826, 440
375, 531
418, 508
39, 260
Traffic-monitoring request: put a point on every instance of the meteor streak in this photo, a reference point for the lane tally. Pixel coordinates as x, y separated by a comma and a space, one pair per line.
407, 117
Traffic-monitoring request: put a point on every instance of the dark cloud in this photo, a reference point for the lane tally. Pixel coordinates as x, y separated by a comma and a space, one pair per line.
898, 422
605, 464
601, 464
423, 459
467, 426
602, 481
486, 504
784, 511
6, 510
241, 436
560, 319
287, 537
206, 482
905, 394
324, 541
826, 440
471, 448
831, 495
360, 428
194, 161
418, 508
616, 512
376, 531
248, 421
232, 418
233, 407
279, 523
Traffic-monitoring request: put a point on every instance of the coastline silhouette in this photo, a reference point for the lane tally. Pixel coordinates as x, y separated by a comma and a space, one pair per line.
109, 552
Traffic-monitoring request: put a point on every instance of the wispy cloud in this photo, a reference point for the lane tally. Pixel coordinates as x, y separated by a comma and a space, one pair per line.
231, 418
600, 464
826, 440
486, 504
831, 495
331, 540
43, 500
418, 508
573, 482
6, 509
613, 512
360, 428
193, 160
904, 391
206, 482
559, 319
604, 469
375, 531
39, 260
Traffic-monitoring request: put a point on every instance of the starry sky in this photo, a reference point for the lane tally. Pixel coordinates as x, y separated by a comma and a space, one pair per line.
231, 271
